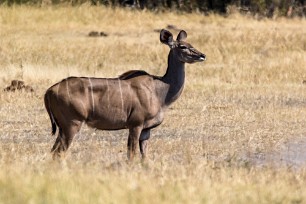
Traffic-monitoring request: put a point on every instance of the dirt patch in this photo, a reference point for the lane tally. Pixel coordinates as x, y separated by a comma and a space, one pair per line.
18, 85
292, 155
97, 34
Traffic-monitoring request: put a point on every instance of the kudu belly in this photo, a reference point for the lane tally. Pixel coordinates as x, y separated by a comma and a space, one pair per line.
108, 119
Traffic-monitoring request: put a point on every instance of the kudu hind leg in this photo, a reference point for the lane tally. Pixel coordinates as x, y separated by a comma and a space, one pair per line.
143, 142
134, 134
64, 139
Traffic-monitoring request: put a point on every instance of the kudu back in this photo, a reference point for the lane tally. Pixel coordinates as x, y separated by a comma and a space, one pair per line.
135, 100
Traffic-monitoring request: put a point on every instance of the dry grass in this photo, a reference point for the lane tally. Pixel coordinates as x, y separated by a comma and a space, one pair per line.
227, 139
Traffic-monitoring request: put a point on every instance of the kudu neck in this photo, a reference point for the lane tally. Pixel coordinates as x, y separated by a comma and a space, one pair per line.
174, 78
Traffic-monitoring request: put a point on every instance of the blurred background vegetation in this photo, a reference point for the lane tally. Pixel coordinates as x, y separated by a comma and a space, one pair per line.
268, 8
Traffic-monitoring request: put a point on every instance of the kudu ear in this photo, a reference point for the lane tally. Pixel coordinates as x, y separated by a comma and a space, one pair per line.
166, 37
181, 36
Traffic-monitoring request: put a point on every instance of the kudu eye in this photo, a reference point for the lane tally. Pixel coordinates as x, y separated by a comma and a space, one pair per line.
182, 47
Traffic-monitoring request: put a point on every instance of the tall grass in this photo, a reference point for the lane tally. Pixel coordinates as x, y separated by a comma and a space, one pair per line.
226, 140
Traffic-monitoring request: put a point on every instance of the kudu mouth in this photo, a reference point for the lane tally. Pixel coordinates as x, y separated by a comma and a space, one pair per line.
196, 58
202, 58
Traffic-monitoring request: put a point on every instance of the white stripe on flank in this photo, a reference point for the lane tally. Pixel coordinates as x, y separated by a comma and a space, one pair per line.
149, 97
120, 89
67, 87
92, 96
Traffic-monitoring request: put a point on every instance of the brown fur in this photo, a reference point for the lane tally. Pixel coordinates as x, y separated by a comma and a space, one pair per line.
132, 73
135, 100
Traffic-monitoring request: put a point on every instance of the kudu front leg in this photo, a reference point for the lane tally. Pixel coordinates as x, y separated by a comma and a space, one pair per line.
143, 142
134, 134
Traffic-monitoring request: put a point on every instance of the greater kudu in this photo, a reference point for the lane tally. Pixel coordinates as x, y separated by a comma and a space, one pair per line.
135, 100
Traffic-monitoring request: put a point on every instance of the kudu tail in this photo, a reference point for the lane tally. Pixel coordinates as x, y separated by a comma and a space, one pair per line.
48, 107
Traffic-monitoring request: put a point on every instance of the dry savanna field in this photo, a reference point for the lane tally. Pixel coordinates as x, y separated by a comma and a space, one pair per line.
236, 135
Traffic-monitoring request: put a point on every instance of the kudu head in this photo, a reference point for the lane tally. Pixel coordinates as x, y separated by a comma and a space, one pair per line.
183, 50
